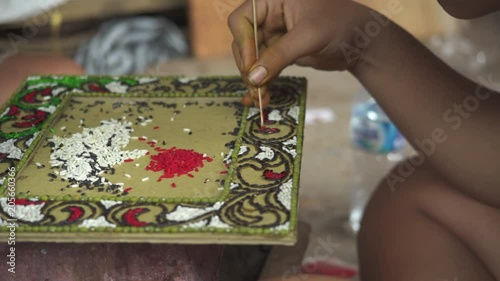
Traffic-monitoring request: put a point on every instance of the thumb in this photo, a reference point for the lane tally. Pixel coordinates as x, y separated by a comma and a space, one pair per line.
283, 52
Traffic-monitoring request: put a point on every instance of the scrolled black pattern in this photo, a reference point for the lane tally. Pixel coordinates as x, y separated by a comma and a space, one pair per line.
60, 213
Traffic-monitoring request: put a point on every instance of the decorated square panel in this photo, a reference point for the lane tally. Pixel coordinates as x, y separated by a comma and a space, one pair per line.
150, 159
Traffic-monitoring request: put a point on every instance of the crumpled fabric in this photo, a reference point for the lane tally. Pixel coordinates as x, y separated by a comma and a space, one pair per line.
128, 46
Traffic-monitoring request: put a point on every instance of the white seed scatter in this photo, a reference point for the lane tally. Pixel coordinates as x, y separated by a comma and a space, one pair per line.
197, 224
8, 147
252, 112
137, 164
292, 141
187, 130
57, 91
144, 124
5, 112
74, 185
217, 223
233, 185
30, 141
38, 164
63, 128
220, 188
42, 85
182, 213
243, 150
5, 223
294, 112
127, 175
47, 98
83, 156
134, 138
289, 145
185, 80
145, 179
266, 153
285, 194
227, 159
120, 183
108, 203
116, 87
285, 226
98, 222
275, 115
144, 80
50, 109
291, 151
222, 154
155, 141
172, 119
31, 213
31, 78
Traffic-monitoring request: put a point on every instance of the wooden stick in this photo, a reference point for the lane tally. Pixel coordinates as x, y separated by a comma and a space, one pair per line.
256, 58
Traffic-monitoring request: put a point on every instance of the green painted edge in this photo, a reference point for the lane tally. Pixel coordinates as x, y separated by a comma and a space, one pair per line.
132, 229
298, 158
234, 156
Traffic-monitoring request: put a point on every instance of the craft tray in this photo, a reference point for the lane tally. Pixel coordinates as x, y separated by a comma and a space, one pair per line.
232, 182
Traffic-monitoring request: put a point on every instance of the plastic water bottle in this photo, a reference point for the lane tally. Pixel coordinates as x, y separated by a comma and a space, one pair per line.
378, 146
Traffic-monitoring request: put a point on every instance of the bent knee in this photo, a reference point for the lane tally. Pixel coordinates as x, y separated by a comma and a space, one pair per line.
417, 190
410, 182
424, 195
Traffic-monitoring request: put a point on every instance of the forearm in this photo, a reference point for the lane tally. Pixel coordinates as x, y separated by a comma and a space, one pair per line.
434, 105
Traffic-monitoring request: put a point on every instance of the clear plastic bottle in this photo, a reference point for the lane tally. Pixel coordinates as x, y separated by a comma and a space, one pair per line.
377, 147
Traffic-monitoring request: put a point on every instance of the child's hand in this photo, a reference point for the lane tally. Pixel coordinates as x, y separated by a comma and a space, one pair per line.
306, 33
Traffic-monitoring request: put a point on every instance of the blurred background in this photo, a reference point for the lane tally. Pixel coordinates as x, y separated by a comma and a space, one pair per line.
190, 37
88, 30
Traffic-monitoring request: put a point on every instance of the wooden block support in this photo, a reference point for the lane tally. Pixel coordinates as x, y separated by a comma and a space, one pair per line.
210, 36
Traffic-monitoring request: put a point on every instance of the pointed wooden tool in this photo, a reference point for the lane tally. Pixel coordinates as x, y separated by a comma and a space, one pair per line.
256, 58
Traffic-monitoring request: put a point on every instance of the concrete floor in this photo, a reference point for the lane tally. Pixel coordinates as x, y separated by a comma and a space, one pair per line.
327, 170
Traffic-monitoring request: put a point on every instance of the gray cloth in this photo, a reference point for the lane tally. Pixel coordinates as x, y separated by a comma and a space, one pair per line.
128, 46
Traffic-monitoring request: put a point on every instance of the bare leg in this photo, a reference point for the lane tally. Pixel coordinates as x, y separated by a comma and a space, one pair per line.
427, 230
14, 70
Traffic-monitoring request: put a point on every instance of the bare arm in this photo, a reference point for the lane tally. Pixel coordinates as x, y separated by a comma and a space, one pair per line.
450, 120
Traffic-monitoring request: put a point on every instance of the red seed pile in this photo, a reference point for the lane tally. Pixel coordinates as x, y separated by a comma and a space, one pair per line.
176, 162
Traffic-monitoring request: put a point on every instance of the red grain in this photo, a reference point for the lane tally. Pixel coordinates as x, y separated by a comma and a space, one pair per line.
176, 162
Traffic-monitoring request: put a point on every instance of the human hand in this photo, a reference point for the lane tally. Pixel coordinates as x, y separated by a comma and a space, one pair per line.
307, 33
